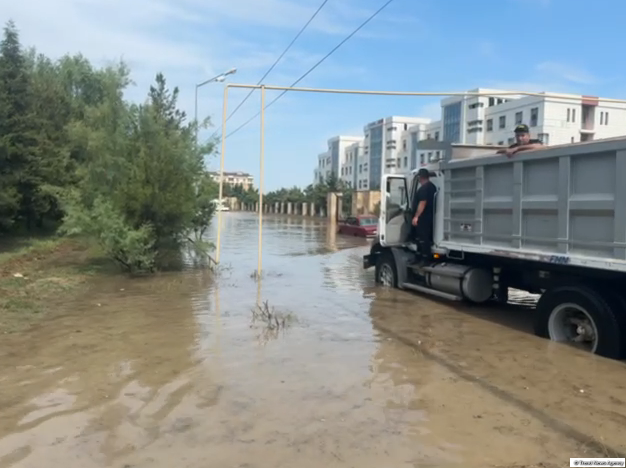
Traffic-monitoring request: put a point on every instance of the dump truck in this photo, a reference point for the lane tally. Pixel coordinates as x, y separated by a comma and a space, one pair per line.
550, 222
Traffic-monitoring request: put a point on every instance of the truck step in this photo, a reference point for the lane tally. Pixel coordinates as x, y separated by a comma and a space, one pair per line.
433, 292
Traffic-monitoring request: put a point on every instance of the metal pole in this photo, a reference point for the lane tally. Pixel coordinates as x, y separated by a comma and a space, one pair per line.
262, 157
195, 114
219, 213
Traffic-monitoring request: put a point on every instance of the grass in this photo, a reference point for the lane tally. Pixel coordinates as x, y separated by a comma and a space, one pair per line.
37, 273
270, 318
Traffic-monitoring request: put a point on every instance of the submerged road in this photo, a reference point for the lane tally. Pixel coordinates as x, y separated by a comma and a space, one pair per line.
170, 371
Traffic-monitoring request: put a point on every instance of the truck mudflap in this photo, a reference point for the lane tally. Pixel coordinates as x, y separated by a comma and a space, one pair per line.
368, 261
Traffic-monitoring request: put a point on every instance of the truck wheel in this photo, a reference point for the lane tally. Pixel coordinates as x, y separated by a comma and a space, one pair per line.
580, 316
386, 274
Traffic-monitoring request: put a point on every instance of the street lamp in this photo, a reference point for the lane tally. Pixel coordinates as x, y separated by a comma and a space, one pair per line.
219, 78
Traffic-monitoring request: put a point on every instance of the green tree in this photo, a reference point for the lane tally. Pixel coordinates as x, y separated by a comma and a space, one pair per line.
146, 170
18, 136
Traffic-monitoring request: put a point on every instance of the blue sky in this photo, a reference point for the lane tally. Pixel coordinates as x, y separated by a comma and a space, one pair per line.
414, 45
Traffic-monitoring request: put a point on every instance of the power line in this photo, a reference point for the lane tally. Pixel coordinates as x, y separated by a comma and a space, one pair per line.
277, 60
361, 26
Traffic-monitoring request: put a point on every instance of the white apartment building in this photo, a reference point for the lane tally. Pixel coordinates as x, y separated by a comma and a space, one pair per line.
333, 160
324, 167
393, 144
386, 142
554, 119
353, 154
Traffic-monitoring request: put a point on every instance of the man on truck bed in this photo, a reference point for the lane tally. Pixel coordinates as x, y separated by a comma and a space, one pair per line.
523, 142
423, 219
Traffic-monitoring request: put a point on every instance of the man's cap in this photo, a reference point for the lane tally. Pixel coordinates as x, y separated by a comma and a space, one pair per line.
522, 128
423, 173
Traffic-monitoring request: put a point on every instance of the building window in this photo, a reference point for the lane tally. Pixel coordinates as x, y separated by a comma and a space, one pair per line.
452, 123
437, 136
544, 138
511, 141
573, 115
360, 183
502, 121
492, 102
569, 112
519, 117
500, 143
360, 168
572, 139
490, 125
604, 118
534, 116
406, 161
428, 136
404, 145
406, 126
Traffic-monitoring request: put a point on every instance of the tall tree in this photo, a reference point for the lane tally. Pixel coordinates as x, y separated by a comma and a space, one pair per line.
17, 136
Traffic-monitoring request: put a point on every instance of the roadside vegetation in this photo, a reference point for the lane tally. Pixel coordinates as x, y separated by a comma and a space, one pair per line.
78, 160
315, 194
88, 180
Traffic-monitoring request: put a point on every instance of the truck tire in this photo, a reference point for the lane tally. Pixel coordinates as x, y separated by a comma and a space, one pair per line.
386, 272
580, 315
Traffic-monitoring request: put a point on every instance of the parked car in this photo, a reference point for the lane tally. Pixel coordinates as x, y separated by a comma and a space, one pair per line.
360, 226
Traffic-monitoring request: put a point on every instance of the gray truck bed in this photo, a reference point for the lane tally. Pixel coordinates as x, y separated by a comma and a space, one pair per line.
568, 202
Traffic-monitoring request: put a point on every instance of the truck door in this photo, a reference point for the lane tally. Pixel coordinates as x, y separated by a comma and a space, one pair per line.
394, 226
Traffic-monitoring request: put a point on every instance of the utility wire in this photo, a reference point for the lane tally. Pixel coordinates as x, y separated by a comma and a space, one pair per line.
276, 62
361, 26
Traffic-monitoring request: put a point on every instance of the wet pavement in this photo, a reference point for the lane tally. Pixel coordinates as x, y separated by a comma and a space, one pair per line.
170, 372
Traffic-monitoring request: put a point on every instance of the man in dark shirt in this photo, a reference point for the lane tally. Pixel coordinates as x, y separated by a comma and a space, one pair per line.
523, 142
424, 215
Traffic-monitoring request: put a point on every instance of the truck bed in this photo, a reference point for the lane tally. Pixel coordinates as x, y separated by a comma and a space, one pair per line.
563, 204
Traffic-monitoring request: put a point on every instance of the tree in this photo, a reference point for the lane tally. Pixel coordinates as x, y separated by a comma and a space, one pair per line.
18, 164
146, 171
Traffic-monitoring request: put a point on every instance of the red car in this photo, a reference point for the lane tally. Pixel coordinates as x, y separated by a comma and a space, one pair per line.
360, 226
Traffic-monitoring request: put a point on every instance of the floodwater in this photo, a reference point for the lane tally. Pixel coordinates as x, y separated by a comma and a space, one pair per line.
170, 372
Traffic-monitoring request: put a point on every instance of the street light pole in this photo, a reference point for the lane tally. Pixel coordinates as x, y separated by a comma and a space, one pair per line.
219, 78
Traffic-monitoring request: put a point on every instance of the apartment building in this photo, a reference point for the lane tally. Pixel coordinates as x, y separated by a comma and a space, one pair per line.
324, 167
333, 160
554, 119
385, 144
349, 169
399, 144
235, 178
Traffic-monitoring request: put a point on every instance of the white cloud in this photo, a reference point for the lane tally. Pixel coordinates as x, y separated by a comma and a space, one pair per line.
486, 48
188, 40
550, 76
431, 110
566, 72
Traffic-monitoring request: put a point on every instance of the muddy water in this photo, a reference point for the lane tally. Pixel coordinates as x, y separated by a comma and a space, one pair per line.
168, 372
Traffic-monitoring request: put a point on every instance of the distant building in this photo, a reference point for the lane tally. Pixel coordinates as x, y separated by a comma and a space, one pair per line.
235, 178
333, 160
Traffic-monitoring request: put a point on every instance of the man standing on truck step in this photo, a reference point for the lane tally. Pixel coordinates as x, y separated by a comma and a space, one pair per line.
423, 218
523, 142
